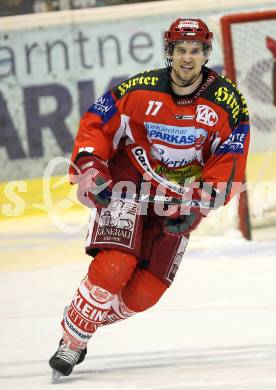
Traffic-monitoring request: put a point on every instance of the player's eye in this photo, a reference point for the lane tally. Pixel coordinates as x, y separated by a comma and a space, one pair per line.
196, 51
182, 51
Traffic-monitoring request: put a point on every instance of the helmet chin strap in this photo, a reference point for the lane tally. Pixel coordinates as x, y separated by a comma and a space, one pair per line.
188, 84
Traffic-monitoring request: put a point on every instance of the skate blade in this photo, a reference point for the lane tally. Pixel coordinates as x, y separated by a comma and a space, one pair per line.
56, 375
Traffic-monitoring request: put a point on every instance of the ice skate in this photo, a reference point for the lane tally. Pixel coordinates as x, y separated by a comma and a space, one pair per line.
64, 360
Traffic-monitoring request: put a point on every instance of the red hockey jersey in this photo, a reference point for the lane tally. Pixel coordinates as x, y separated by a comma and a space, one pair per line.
203, 136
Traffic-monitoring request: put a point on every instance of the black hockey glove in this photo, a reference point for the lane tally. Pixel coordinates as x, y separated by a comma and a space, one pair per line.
182, 220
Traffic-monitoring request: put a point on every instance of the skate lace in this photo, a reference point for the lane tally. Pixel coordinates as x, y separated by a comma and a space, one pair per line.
67, 354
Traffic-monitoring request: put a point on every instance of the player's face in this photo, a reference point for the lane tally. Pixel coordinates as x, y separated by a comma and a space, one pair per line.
187, 60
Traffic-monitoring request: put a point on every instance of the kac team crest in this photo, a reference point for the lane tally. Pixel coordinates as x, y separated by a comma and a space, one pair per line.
206, 115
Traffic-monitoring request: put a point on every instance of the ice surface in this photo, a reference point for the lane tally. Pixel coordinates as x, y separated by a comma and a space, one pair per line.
214, 329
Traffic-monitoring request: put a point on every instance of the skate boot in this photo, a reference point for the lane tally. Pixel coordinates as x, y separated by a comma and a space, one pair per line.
65, 359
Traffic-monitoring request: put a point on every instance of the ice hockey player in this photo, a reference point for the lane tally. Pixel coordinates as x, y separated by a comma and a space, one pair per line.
166, 128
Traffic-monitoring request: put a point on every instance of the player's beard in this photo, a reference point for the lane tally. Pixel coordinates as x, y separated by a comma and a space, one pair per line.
184, 80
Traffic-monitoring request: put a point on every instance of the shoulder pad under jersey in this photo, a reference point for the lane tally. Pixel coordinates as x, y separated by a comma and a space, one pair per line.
148, 80
224, 93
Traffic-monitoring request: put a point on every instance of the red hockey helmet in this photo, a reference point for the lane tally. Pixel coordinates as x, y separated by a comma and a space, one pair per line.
188, 30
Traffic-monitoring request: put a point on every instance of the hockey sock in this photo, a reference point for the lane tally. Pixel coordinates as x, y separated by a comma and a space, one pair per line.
118, 311
86, 313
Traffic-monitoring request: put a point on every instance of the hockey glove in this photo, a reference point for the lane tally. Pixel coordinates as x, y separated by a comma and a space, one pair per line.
183, 220
94, 182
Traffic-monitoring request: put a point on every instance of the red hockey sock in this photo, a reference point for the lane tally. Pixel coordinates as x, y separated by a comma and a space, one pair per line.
118, 311
86, 313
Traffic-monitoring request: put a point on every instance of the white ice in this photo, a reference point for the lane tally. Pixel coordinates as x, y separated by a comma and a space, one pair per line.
214, 329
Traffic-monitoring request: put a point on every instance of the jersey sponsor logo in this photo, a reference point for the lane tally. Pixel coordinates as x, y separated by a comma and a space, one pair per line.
235, 142
244, 104
180, 175
86, 309
206, 115
174, 135
177, 158
83, 328
104, 107
184, 117
224, 95
137, 81
101, 295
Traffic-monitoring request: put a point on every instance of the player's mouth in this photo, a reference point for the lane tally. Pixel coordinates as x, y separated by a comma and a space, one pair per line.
186, 67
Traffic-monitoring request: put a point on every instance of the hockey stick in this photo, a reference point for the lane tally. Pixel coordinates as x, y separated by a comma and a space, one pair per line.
166, 200
215, 201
